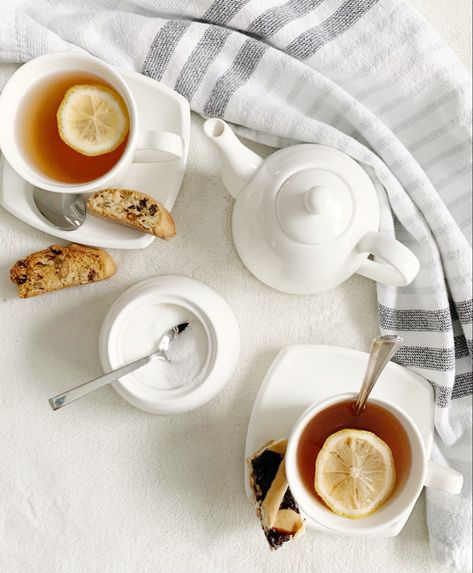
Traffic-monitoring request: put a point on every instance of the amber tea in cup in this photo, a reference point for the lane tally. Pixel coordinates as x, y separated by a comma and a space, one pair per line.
38, 135
341, 415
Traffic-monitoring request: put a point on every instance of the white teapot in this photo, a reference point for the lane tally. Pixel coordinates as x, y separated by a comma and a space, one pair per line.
307, 217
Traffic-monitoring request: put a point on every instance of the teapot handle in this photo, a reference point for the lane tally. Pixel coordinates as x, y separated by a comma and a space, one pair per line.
399, 267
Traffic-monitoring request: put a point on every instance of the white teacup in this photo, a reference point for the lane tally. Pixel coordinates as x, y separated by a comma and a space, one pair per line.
143, 146
422, 472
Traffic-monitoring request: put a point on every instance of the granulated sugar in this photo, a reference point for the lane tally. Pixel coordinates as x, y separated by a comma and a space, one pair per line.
187, 354
185, 358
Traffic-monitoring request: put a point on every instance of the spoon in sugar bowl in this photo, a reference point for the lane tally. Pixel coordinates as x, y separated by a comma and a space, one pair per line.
77, 392
382, 350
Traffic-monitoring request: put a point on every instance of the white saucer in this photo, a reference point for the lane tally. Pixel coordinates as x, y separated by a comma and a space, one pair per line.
162, 109
302, 375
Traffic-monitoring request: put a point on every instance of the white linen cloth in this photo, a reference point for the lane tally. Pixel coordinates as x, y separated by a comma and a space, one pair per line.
367, 77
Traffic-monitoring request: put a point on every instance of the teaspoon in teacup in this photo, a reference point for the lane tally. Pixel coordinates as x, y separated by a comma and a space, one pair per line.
77, 392
382, 350
65, 211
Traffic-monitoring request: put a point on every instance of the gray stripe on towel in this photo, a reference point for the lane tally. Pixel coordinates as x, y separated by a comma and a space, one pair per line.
461, 346
273, 19
446, 154
456, 92
398, 73
309, 42
234, 78
462, 310
200, 59
426, 357
453, 178
462, 387
222, 11
440, 131
415, 320
162, 48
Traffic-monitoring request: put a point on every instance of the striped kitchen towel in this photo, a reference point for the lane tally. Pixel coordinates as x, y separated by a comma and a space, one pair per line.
368, 77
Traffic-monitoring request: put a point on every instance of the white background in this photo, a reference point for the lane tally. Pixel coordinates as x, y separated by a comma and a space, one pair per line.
103, 487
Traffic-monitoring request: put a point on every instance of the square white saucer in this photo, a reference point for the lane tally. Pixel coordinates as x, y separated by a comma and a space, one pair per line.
162, 108
302, 375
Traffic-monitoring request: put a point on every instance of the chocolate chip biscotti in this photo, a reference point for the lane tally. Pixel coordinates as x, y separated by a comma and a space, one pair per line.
133, 209
59, 267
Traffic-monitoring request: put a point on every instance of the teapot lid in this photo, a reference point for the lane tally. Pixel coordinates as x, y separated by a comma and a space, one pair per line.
314, 206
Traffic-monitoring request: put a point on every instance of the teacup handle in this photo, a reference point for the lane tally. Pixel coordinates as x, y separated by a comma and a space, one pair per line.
399, 266
157, 146
443, 478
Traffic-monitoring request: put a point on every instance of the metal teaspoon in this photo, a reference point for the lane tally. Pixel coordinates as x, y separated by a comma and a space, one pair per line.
382, 350
65, 211
87, 387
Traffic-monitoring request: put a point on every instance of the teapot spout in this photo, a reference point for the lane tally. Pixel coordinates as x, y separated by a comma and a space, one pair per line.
238, 164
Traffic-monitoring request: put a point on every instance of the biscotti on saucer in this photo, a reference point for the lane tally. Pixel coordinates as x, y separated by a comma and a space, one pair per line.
59, 267
133, 209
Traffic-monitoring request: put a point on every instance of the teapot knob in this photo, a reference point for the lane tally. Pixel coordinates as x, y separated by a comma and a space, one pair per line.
318, 199
314, 206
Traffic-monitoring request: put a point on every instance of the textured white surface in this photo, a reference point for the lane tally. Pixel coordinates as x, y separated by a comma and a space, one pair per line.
101, 486
452, 20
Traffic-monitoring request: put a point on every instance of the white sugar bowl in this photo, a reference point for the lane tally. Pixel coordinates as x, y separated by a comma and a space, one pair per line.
137, 321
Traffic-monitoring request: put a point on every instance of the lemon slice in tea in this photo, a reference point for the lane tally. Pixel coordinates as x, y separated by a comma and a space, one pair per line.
92, 119
354, 473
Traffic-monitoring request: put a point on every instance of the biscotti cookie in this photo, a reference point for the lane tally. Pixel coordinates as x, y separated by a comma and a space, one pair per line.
133, 209
60, 267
